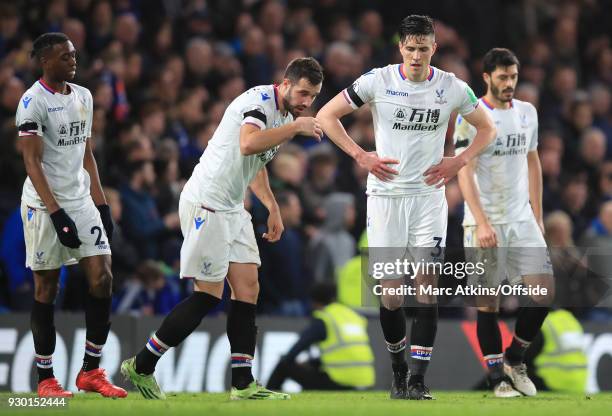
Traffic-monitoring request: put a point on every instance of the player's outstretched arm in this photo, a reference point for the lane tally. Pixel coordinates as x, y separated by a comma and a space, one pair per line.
467, 184
253, 140
330, 116
260, 185
443, 172
534, 168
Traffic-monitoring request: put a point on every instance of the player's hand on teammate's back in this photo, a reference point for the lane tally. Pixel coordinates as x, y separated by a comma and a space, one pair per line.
487, 238
107, 221
275, 227
66, 229
378, 166
309, 126
444, 171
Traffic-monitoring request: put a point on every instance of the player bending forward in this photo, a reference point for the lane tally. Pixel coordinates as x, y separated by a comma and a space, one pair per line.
503, 193
219, 240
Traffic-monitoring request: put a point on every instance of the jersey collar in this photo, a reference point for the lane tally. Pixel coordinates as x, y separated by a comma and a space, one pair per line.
50, 89
405, 77
490, 106
46, 86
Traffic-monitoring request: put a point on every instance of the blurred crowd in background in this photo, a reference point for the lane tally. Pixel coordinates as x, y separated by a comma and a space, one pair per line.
162, 73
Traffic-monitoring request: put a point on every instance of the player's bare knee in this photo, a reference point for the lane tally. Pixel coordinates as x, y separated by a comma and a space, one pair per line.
542, 289
46, 291
102, 285
545, 297
488, 304
392, 302
247, 290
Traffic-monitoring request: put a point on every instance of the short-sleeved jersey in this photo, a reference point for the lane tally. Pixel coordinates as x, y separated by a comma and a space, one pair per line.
220, 179
410, 122
63, 121
501, 174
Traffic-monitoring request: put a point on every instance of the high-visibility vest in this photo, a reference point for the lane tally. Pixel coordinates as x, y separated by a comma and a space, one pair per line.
346, 355
349, 283
562, 363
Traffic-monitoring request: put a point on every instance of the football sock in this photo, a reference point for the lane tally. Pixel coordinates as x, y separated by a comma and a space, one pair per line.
489, 338
242, 335
422, 336
178, 324
97, 321
43, 332
393, 325
528, 324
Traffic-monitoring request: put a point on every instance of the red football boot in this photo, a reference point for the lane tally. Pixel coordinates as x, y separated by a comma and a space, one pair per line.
50, 387
96, 381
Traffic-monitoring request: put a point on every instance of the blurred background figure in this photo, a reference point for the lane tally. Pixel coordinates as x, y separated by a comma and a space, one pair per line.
333, 245
346, 361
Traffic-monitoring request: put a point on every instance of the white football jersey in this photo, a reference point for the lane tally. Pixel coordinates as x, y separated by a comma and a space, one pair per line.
501, 175
223, 174
410, 122
64, 123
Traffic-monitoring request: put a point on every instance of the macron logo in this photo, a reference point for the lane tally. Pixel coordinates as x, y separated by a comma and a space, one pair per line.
264, 96
198, 222
397, 93
26, 101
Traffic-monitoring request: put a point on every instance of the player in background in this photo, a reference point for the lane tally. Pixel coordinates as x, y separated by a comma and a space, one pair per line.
502, 188
411, 104
65, 215
219, 240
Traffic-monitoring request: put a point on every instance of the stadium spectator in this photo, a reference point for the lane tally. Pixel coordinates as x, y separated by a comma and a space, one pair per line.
599, 234
333, 245
322, 162
143, 225
125, 255
148, 292
592, 154
284, 279
574, 194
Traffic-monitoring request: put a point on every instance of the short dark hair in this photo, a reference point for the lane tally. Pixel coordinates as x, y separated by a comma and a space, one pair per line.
323, 293
416, 25
498, 57
46, 41
308, 68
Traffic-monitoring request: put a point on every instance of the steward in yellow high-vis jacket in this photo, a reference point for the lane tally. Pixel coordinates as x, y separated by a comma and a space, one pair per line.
346, 361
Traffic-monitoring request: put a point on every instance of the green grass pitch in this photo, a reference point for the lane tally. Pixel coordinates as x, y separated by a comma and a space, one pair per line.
323, 403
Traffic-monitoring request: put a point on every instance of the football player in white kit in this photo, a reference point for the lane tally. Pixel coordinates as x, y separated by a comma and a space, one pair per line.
65, 215
411, 104
502, 188
219, 240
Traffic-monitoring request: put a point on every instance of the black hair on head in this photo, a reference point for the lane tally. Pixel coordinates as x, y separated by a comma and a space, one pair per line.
46, 41
323, 293
416, 25
308, 68
498, 57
